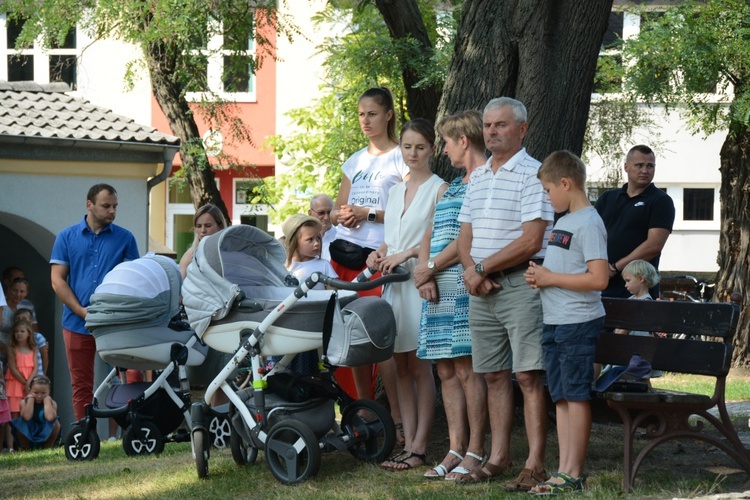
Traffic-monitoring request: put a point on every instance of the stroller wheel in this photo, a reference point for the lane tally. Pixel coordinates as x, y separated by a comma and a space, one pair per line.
142, 439
219, 430
292, 452
242, 453
81, 444
371, 430
199, 442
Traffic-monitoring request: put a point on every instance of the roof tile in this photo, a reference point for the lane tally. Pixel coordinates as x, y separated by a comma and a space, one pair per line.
31, 109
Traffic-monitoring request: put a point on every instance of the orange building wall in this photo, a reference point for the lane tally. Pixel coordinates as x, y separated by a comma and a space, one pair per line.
259, 117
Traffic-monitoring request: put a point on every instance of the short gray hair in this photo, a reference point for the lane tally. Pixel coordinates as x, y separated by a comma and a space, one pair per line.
519, 110
320, 197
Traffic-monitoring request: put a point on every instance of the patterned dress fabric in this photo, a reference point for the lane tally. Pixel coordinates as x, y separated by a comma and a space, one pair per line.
444, 327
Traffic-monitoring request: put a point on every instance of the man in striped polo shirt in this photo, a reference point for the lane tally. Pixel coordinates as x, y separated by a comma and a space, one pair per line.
505, 222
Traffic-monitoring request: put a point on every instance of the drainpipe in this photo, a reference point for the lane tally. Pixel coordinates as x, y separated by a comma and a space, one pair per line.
169, 154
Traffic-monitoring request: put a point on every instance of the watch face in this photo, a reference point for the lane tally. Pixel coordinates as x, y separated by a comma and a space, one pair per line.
430, 264
479, 268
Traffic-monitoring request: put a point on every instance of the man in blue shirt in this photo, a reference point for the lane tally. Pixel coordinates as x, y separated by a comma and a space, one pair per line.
82, 255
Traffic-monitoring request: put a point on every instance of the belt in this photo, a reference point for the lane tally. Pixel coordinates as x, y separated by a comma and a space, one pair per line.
498, 275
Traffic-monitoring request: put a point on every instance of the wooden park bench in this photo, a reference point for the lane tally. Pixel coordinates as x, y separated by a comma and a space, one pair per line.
704, 347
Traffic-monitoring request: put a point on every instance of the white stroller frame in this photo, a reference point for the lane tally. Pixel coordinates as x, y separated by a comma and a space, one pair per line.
292, 448
132, 328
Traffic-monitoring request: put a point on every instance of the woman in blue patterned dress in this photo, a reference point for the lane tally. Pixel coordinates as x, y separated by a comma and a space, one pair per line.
444, 328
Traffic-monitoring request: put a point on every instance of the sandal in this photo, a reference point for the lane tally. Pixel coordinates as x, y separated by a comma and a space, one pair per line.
526, 480
400, 438
461, 471
402, 458
441, 470
570, 484
488, 472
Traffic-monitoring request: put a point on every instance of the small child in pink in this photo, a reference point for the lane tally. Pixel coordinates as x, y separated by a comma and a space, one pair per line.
22, 364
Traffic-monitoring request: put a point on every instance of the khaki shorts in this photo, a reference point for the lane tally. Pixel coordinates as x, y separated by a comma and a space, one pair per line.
506, 328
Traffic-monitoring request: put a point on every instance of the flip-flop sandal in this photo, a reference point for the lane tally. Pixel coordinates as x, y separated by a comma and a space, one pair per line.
441, 470
488, 472
402, 459
463, 471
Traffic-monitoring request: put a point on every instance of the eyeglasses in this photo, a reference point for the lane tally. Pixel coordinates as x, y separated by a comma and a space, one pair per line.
19, 280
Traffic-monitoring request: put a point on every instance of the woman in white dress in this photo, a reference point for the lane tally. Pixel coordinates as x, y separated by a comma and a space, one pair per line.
411, 204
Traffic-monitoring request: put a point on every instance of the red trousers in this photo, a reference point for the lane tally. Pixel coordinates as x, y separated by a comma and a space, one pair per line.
81, 350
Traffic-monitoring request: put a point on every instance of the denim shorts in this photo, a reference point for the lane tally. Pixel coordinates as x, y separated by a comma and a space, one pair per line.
569, 358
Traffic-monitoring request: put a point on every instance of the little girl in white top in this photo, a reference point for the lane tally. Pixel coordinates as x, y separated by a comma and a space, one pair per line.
303, 243
302, 236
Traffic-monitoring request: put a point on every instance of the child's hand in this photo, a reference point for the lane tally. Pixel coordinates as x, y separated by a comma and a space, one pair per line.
536, 276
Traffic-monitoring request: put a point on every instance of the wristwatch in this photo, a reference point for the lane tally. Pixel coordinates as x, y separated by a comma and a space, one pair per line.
479, 269
431, 265
372, 216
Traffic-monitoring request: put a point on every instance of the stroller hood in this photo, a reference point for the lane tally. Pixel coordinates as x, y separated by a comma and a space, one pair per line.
143, 292
223, 264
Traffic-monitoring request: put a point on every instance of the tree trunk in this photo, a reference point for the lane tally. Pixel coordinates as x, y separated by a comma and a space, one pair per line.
734, 240
166, 89
404, 20
540, 52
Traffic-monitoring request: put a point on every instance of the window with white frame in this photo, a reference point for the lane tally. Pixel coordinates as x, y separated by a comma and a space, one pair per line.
34, 63
180, 211
698, 204
227, 65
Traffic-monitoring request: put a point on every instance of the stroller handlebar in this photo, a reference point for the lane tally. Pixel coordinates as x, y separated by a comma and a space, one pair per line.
362, 281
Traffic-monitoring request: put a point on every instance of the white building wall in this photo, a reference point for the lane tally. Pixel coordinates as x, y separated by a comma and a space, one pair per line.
683, 160
101, 78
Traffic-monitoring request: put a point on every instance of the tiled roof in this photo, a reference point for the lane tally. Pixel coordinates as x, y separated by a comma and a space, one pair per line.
46, 110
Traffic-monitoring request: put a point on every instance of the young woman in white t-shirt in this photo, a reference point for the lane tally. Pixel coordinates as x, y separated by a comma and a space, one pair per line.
359, 212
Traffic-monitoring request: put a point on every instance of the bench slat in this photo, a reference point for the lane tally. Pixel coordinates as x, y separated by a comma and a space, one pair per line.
682, 356
692, 318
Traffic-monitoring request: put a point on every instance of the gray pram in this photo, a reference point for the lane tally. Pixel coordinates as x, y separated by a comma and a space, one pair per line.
238, 299
134, 318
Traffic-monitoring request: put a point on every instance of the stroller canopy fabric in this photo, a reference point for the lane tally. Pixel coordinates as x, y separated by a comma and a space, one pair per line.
238, 259
144, 291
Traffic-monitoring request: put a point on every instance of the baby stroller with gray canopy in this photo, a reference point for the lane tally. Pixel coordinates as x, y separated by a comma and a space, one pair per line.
134, 318
238, 300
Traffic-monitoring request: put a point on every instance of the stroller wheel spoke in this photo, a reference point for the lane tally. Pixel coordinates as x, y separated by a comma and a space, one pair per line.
292, 452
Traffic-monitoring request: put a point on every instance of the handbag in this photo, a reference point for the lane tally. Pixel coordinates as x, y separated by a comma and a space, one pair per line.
349, 254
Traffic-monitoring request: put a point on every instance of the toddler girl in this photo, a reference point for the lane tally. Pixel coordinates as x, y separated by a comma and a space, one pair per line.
22, 364
302, 236
303, 244
38, 426
5, 432
639, 276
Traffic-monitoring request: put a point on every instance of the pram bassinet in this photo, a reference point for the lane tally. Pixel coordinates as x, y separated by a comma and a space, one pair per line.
131, 314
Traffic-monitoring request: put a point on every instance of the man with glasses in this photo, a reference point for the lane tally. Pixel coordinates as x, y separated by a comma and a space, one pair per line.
638, 217
320, 208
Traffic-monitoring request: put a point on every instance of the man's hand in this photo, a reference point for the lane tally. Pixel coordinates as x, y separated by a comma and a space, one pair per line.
429, 291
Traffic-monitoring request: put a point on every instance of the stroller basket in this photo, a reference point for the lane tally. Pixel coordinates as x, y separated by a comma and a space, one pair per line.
317, 413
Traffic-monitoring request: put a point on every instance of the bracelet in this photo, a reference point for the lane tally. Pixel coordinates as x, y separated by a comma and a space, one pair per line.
614, 266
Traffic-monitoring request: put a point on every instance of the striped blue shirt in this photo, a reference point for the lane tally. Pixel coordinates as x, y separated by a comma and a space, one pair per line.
497, 205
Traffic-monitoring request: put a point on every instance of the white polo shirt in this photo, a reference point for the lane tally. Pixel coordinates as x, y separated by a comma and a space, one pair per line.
497, 205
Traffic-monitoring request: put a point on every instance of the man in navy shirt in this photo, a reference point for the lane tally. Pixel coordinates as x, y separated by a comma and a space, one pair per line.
638, 217
82, 255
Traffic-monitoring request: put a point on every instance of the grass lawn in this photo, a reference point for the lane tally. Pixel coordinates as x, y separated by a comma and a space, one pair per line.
676, 469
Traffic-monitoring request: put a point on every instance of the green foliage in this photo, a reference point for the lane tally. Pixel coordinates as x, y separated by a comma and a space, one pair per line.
359, 55
689, 56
